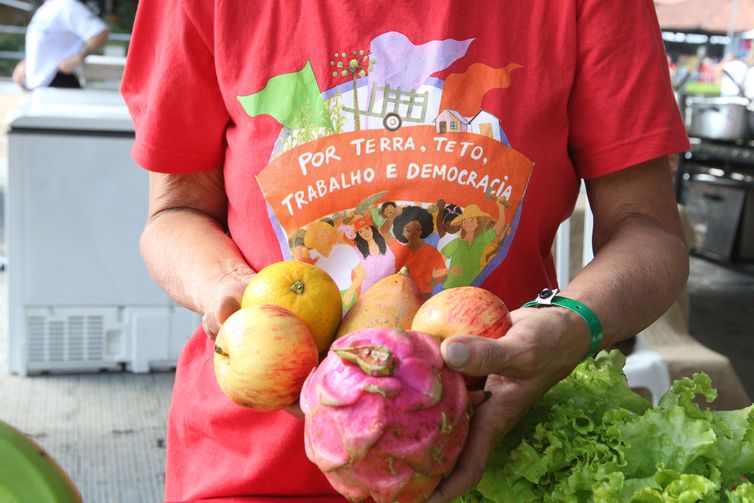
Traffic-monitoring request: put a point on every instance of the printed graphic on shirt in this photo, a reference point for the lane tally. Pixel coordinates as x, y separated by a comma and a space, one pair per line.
393, 167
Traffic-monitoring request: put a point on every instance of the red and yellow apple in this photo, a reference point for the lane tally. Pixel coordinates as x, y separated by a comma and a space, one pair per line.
464, 310
263, 355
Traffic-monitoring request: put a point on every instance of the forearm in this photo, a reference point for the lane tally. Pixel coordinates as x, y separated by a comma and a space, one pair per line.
186, 251
634, 278
19, 74
93, 44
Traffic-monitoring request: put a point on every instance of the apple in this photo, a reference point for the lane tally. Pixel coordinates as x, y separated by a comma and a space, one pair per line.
263, 355
464, 310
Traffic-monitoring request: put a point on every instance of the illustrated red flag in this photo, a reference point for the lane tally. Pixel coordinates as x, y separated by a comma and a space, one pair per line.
463, 92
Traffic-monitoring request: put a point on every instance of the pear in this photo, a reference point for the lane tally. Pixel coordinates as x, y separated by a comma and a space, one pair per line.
392, 302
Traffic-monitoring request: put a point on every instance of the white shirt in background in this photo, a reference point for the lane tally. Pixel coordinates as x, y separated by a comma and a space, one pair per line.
741, 74
58, 30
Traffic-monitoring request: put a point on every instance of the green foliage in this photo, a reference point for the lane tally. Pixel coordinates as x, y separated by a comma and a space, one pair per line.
13, 43
335, 107
591, 438
305, 128
125, 12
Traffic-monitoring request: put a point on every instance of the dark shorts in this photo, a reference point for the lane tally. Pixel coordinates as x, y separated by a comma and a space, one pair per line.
66, 80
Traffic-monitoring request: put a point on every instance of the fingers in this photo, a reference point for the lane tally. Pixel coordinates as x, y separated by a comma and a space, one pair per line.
210, 325
226, 307
462, 479
475, 356
471, 463
224, 300
478, 397
539, 341
294, 410
492, 420
213, 320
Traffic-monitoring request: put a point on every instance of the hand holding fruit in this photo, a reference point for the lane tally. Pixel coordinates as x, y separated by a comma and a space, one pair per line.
464, 311
290, 312
541, 347
224, 299
263, 352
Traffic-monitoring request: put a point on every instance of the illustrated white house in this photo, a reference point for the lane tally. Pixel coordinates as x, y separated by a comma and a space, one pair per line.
483, 123
451, 121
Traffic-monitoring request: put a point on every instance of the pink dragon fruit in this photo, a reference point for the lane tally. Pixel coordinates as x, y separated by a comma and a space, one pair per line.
384, 417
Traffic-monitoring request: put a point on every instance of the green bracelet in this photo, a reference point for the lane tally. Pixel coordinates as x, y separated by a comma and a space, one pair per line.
548, 297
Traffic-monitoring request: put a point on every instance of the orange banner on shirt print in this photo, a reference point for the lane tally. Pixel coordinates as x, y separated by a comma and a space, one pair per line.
337, 173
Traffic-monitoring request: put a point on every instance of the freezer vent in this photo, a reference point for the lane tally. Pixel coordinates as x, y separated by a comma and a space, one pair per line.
60, 339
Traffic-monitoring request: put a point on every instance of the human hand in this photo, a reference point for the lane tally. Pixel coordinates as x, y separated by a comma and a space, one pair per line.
19, 74
294, 410
541, 348
69, 65
224, 299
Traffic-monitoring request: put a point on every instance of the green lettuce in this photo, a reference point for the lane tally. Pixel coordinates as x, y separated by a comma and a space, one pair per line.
592, 438
744, 493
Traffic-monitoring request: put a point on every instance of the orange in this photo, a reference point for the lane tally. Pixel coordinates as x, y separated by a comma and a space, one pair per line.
303, 289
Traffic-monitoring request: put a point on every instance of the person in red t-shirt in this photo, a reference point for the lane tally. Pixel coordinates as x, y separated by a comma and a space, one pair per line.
261, 120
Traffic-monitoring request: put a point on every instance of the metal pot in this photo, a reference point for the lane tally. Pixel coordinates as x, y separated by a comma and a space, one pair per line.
718, 118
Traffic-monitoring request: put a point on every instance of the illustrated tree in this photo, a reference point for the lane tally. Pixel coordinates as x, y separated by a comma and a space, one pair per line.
354, 65
335, 107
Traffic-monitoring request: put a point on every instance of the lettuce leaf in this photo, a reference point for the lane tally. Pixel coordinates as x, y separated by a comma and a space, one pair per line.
744, 493
592, 438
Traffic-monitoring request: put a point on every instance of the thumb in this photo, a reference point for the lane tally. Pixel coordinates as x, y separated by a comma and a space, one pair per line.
474, 356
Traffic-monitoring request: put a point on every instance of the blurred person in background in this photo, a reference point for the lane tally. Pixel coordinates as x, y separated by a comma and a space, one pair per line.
738, 75
707, 71
61, 34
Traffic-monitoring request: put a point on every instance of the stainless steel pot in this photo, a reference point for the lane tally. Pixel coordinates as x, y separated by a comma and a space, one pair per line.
718, 118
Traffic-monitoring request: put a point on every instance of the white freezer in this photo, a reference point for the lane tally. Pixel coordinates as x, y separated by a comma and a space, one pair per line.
79, 295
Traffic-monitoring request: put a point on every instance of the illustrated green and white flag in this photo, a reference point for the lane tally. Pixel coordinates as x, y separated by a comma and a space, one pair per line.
291, 98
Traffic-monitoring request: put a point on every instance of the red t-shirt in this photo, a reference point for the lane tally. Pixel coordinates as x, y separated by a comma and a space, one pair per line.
322, 111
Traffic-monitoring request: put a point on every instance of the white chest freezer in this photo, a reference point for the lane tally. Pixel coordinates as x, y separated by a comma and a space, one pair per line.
79, 295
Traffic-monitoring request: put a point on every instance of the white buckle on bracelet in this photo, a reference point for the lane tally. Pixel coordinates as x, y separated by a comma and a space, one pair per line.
544, 298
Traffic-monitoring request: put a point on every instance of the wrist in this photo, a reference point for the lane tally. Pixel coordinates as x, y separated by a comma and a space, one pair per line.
574, 340
550, 299
238, 276
562, 337
231, 283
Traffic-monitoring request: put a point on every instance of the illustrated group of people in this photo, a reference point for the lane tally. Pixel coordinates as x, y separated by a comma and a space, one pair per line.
442, 245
